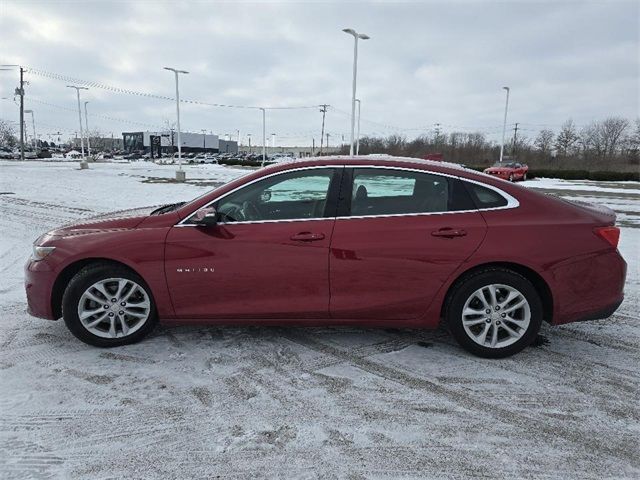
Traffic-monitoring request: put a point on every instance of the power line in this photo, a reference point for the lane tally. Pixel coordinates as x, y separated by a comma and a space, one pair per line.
104, 86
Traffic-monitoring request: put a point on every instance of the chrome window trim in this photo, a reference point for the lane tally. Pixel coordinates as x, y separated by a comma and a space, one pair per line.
182, 223
512, 202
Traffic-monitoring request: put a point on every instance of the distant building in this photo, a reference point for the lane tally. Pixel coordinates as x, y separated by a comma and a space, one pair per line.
167, 142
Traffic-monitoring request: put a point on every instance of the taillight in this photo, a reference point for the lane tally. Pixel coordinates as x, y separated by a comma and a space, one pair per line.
610, 234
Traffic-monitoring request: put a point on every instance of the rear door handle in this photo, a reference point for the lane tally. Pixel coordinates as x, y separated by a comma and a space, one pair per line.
449, 232
307, 237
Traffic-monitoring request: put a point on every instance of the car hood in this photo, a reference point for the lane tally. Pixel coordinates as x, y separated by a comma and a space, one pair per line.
123, 219
497, 170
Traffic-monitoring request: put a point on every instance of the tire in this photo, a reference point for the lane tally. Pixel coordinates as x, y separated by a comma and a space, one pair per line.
511, 177
513, 334
524, 177
137, 316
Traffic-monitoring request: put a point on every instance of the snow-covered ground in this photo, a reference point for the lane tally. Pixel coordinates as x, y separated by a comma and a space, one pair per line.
300, 403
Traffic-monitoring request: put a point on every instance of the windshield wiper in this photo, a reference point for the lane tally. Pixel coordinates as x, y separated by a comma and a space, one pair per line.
167, 208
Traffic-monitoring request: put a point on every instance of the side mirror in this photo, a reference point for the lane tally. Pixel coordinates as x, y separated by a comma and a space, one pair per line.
206, 217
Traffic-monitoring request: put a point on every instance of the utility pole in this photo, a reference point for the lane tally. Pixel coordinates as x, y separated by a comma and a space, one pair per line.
328, 135
313, 147
19, 91
249, 136
515, 140
323, 109
437, 139
21, 114
204, 139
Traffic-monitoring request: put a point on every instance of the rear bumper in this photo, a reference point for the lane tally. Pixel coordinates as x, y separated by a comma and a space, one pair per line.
589, 288
605, 312
38, 284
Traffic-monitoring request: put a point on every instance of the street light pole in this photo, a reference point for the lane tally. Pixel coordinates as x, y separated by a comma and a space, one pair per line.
358, 132
356, 36
264, 137
33, 124
504, 124
86, 124
80, 121
180, 174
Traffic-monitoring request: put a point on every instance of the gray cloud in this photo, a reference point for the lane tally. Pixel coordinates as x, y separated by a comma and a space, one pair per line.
426, 62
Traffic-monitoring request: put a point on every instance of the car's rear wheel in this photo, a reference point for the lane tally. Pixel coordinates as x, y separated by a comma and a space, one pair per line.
494, 313
108, 306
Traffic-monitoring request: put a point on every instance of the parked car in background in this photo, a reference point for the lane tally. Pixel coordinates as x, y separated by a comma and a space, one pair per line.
359, 241
511, 171
6, 154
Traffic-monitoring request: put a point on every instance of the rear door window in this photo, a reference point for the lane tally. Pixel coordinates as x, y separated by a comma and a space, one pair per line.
380, 191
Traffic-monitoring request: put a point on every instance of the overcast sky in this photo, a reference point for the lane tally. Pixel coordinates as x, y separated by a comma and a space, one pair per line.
426, 63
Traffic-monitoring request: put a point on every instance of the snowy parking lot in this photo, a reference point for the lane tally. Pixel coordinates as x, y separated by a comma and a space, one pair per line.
233, 402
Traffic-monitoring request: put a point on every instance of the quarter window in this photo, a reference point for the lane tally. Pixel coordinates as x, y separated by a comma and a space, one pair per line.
485, 197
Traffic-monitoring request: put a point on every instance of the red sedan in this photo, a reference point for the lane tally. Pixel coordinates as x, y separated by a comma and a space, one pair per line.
508, 171
374, 242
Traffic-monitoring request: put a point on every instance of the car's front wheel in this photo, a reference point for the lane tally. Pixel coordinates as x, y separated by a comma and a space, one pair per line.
108, 306
494, 313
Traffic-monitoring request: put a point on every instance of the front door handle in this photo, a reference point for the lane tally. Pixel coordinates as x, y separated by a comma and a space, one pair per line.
449, 232
307, 237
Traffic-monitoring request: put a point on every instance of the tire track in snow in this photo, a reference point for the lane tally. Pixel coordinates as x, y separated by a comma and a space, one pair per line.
616, 450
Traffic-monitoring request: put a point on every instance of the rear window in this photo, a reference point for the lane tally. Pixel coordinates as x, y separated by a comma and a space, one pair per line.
485, 197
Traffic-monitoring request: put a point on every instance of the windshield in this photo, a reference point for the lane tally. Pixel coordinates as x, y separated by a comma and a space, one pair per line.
506, 165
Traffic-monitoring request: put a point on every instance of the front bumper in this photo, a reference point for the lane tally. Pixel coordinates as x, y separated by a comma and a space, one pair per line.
39, 278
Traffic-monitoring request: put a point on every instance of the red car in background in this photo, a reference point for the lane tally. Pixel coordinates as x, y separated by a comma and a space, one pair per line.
511, 171
381, 241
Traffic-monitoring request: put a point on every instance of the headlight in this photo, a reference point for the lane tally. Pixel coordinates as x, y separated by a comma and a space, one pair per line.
41, 252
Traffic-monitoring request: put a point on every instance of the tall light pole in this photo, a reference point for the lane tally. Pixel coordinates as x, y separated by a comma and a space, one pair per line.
273, 141
86, 124
356, 36
358, 131
180, 174
264, 137
204, 139
33, 124
80, 118
504, 124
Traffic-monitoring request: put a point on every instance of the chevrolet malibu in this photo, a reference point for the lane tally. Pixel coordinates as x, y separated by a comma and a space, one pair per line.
376, 241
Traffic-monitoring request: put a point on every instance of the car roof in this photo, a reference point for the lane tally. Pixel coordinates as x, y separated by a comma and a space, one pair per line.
379, 160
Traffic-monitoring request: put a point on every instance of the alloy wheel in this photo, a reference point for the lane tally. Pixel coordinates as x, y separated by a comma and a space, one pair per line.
496, 316
114, 308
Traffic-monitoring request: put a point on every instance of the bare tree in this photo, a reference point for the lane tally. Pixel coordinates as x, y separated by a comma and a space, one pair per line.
7, 134
611, 132
544, 142
567, 139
